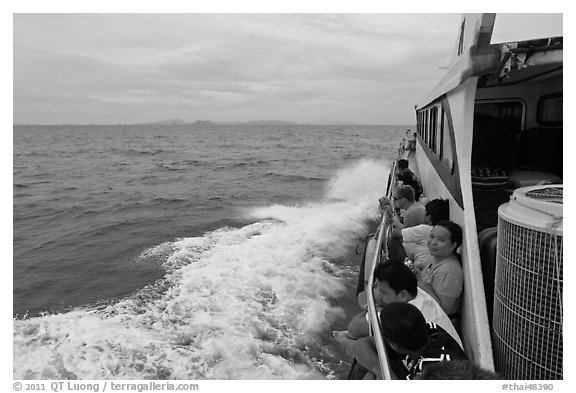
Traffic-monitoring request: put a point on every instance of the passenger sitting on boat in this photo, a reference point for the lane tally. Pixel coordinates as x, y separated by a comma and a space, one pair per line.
415, 239
414, 214
404, 199
395, 282
456, 370
410, 140
406, 176
414, 344
442, 275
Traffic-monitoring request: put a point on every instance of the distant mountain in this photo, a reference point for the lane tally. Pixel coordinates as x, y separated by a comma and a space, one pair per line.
173, 122
338, 122
209, 122
258, 122
203, 123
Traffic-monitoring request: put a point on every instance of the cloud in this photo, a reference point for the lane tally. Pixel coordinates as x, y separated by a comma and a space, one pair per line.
132, 66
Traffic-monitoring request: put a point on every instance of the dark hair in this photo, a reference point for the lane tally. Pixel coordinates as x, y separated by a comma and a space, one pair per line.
454, 229
402, 164
455, 235
403, 324
438, 210
406, 191
456, 369
398, 276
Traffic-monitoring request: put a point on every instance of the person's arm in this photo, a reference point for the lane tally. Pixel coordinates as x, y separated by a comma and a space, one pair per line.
364, 350
426, 286
429, 289
397, 227
387, 209
448, 302
358, 326
344, 338
362, 298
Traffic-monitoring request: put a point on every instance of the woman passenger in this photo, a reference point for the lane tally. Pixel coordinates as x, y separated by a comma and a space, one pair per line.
442, 276
415, 239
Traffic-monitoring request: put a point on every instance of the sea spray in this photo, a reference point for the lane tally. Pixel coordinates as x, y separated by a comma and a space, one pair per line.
363, 181
250, 303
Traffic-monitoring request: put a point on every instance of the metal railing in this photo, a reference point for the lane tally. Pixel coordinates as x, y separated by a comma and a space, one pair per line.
373, 315
381, 250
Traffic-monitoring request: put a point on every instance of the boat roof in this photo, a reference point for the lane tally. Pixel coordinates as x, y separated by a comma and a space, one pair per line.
497, 64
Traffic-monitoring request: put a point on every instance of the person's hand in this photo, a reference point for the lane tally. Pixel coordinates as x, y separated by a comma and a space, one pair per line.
384, 202
344, 338
411, 266
341, 335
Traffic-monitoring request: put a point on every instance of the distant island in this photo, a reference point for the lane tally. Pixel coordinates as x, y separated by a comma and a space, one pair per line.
209, 123
262, 122
178, 122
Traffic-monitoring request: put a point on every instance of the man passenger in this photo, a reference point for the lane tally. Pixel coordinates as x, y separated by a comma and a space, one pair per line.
407, 177
395, 282
414, 214
413, 343
404, 199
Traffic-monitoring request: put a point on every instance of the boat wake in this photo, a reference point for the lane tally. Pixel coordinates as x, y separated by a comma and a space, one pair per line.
256, 302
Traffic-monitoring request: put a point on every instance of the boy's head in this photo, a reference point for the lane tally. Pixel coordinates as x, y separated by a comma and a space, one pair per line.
403, 327
437, 210
403, 196
394, 282
402, 164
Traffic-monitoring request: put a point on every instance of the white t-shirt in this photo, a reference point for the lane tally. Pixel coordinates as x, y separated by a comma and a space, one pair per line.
415, 242
434, 313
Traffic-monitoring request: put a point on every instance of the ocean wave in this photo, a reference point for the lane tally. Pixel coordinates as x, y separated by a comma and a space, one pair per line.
255, 302
137, 152
166, 166
294, 177
217, 314
170, 201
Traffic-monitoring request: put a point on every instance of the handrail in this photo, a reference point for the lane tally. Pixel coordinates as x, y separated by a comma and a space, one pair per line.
381, 249
373, 315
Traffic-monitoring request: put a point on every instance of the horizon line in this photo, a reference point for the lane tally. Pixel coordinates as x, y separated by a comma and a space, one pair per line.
215, 123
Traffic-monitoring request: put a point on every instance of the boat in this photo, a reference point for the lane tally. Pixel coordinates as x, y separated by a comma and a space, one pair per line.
489, 139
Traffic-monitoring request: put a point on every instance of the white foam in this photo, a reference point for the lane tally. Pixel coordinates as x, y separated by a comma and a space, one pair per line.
248, 303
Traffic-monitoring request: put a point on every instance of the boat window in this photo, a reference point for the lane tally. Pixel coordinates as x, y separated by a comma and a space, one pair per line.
434, 129
497, 126
447, 156
550, 110
425, 113
438, 139
428, 126
433, 117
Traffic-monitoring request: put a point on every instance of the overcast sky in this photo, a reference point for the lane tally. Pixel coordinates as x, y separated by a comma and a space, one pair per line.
307, 68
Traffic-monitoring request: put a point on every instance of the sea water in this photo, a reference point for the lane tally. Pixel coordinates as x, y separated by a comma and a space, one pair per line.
187, 252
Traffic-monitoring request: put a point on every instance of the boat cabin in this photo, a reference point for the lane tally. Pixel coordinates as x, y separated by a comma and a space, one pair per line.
491, 126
